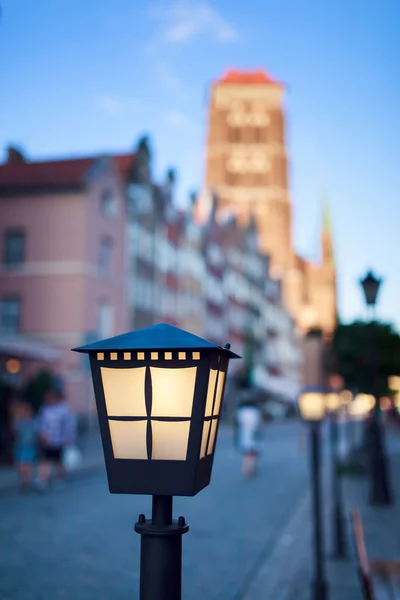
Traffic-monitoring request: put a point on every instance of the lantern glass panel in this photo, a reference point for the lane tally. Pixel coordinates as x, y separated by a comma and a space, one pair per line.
173, 391
170, 439
210, 392
218, 397
312, 406
124, 391
204, 439
211, 442
128, 439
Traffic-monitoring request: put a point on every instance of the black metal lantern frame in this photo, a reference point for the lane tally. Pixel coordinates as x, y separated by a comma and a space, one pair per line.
152, 445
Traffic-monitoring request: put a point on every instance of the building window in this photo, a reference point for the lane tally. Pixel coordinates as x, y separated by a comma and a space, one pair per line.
105, 260
14, 248
108, 202
105, 323
10, 315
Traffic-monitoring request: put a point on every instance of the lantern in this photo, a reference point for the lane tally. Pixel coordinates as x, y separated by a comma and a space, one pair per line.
312, 404
370, 285
159, 393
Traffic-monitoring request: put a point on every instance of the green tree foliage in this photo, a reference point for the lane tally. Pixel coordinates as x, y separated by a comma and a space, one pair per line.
357, 346
37, 387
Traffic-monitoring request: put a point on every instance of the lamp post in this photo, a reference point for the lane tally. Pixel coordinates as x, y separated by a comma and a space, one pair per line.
381, 490
333, 403
159, 393
312, 410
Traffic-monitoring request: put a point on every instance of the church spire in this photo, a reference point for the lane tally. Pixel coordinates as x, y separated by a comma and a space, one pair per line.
326, 218
326, 235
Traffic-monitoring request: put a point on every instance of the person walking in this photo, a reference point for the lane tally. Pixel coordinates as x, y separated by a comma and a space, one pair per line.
249, 423
57, 432
25, 441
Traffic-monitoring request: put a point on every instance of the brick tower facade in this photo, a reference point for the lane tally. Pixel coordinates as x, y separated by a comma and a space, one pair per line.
247, 166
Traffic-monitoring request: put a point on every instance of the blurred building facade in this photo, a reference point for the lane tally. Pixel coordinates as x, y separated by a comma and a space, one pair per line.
93, 247
247, 165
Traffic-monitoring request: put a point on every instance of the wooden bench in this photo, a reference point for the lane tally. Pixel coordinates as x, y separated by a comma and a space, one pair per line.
380, 579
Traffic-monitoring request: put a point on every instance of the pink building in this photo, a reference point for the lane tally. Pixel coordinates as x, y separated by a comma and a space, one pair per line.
62, 267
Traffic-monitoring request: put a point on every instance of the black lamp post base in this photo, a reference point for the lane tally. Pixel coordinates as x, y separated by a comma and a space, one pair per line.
161, 552
381, 490
319, 590
339, 535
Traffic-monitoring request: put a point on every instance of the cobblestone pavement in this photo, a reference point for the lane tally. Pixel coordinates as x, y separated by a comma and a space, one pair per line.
287, 572
79, 544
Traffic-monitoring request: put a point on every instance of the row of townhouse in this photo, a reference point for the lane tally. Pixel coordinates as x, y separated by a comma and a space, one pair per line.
91, 248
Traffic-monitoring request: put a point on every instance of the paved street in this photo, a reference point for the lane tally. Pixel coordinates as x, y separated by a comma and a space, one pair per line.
79, 543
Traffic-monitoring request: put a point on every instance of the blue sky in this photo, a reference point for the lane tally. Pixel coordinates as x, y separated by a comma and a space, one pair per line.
88, 76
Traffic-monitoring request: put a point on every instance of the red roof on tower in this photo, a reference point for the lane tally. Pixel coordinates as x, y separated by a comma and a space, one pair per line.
240, 77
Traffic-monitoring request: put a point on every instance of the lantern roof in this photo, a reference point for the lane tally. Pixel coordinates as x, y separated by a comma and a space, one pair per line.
157, 337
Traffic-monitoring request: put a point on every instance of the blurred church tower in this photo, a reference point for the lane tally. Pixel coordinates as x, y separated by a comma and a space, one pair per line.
247, 166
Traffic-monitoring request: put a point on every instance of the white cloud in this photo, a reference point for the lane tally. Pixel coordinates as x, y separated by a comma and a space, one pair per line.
116, 105
183, 20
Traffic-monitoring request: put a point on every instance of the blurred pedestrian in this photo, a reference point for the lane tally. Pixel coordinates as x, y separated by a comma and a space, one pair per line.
57, 432
249, 424
25, 442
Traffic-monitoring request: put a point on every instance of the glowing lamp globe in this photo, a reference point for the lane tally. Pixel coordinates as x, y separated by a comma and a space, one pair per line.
159, 394
312, 404
332, 402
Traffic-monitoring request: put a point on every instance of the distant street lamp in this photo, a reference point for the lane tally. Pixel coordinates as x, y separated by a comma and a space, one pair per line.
312, 410
333, 403
381, 490
159, 393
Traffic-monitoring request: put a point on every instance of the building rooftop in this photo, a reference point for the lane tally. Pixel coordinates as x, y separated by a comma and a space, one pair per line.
18, 172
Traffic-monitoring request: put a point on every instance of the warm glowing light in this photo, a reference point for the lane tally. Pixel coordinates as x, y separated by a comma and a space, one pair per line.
394, 383
173, 391
13, 366
312, 406
128, 439
332, 402
361, 405
124, 391
211, 443
170, 440
218, 396
210, 392
204, 439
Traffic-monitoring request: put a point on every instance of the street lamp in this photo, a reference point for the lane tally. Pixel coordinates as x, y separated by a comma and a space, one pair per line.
333, 403
312, 410
159, 393
381, 490
370, 285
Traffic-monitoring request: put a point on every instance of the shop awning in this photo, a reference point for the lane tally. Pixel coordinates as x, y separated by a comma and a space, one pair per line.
29, 348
